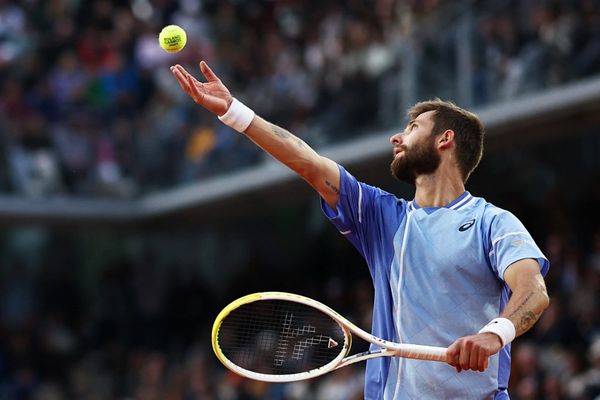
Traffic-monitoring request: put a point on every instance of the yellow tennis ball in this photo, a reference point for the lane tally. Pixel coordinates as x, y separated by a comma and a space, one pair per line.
172, 38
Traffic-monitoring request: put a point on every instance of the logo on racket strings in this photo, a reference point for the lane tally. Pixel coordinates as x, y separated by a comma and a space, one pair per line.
289, 335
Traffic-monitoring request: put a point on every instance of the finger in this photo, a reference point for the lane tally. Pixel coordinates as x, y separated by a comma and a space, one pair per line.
474, 358
465, 355
456, 362
181, 78
178, 68
183, 72
484, 359
208, 73
452, 354
194, 92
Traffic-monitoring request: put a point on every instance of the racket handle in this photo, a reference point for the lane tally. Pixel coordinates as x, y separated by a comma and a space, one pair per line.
420, 352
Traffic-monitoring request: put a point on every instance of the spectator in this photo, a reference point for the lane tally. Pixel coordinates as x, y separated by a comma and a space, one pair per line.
84, 110
327, 70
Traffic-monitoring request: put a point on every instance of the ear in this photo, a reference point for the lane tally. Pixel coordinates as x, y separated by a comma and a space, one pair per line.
446, 139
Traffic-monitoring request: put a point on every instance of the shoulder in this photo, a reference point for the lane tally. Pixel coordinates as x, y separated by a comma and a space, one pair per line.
365, 189
370, 203
498, 221
491, 212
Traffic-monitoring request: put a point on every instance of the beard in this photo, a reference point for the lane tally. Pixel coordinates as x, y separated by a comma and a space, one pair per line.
421, 159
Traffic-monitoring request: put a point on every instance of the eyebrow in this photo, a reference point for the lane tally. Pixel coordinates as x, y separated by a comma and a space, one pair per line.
411, 122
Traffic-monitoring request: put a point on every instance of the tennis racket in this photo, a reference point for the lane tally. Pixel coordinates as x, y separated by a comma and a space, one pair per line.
284, 337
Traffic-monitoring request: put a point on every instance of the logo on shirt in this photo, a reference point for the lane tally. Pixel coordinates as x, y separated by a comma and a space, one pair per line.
519, 242
466, 225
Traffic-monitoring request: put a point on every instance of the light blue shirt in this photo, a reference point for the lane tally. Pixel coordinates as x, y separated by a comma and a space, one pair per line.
438, 275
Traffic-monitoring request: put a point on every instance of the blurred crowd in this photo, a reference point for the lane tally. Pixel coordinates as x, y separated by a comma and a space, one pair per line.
88, 107
91, 314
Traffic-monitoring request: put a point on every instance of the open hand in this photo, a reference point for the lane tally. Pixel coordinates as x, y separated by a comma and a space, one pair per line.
212, 95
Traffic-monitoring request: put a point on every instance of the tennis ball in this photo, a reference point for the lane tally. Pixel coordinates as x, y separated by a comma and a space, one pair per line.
172, 38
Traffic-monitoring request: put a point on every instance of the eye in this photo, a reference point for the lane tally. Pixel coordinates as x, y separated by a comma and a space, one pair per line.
410, 127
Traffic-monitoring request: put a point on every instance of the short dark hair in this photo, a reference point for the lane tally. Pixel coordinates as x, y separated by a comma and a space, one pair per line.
467, 127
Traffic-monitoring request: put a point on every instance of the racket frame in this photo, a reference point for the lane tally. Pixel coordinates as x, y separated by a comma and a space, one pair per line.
387, 348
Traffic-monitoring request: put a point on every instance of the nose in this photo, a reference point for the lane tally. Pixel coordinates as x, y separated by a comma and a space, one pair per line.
396, 138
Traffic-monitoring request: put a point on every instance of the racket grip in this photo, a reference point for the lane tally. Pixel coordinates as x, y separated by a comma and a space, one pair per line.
420, 352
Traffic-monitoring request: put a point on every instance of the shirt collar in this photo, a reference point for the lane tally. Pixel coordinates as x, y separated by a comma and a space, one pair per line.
455, 204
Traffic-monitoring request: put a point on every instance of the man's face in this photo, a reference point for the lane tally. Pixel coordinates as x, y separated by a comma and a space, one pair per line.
415, 151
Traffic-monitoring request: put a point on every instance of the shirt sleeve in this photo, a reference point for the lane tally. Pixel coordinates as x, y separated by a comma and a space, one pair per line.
510, 242
364, 214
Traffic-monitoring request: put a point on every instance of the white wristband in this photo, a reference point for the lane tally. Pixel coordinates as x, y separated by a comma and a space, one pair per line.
503, 327
238, 116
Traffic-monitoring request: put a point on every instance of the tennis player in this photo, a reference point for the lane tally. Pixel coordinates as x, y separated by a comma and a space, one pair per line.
448, 268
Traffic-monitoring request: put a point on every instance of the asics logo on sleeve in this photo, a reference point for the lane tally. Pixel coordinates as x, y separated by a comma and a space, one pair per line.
466, 225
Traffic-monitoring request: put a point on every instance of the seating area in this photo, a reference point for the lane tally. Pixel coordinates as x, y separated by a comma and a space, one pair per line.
88, 107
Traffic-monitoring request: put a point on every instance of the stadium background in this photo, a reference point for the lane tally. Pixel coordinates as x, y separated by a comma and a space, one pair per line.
129, 217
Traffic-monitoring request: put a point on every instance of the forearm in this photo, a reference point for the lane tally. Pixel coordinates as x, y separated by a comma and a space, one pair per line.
528, 301
526, 305
321, 173
282, 145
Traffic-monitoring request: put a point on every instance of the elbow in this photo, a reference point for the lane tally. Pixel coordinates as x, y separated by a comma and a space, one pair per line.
309, 172
306, 167
541, 294
545, 300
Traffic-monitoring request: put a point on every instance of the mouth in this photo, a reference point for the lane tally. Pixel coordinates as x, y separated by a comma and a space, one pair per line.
398, 151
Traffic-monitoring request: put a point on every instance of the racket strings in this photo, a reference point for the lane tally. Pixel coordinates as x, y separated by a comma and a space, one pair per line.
279, 337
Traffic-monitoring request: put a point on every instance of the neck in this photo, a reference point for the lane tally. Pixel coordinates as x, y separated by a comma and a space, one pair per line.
438, 189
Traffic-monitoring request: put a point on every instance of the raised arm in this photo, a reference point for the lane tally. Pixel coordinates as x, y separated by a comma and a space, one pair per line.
525, 306
320, 172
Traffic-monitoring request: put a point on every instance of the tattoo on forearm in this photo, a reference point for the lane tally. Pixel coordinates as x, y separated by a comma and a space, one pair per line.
526, 322
524, 317
520, 307
283, 134
332, 187
300, 142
